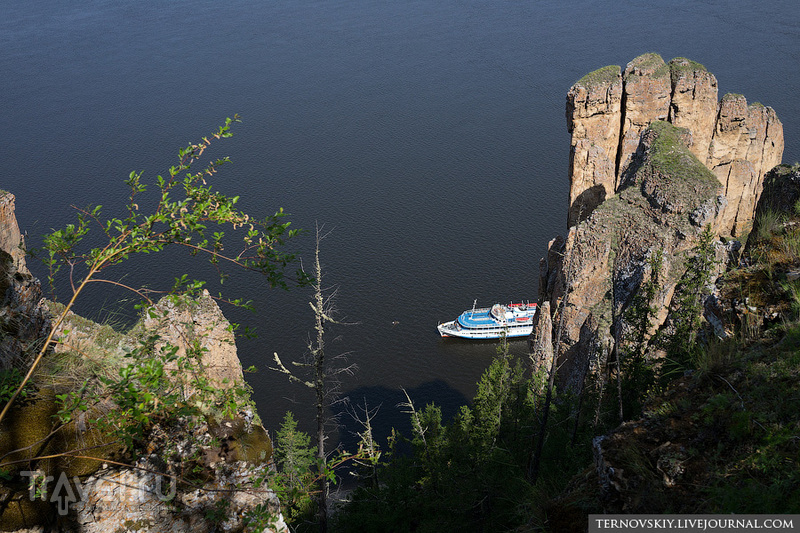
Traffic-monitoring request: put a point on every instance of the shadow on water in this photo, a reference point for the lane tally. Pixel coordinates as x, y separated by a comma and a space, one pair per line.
390, 414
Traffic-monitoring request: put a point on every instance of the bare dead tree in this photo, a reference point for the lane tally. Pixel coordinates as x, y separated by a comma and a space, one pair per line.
324, 379
369, 453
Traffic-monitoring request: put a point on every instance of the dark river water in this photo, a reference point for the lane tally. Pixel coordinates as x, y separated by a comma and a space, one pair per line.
427, 136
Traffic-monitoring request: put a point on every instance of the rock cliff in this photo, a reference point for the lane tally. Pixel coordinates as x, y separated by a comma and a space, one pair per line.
608, 110
186, 322
593, 111
22, 321
688, 174
711, 441
195, 468
666, 199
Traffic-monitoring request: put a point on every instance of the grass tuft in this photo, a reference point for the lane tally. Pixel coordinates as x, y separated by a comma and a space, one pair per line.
681, 67
602, 76
651, 62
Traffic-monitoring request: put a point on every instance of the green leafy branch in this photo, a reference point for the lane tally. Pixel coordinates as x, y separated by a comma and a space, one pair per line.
188, 213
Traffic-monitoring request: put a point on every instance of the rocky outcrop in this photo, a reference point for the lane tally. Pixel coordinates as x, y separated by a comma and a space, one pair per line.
676, 456
22, 321
666, 200
593, 110
11, 241
222, 492
693, 103
746, 132
195, 468
781, 192
739, 143
198, 325
541, 340
647, 97
747, 143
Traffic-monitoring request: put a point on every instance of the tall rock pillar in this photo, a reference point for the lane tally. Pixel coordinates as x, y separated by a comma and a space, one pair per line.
694, 103
747, 143
593, 118
607, 112
646, 86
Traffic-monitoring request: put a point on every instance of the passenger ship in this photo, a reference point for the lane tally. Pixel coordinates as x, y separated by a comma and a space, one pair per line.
515, 320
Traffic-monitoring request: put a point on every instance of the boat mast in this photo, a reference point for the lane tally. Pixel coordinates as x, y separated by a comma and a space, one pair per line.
473, 307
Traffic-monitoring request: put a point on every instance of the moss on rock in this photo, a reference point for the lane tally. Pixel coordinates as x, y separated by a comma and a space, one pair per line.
602, 76
680, 67
650, 62
24, 430
21, 512
672, 177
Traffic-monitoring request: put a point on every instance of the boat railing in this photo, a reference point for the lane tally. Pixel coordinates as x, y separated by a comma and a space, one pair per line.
478, 310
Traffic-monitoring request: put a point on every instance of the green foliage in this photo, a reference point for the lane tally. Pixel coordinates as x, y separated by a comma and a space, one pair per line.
154, 383
775, 245
471, 473
10, 380
602, 76
260, 518
715, 356
218, 513
683, 345
769, 224
144, 393
755, 424
642, 312
296, 462
188, 213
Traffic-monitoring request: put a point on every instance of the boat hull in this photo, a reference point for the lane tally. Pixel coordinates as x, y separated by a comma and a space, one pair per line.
448, 329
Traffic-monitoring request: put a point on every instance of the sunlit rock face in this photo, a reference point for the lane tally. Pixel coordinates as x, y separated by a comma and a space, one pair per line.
747, 144
647, 97
609, 109
593, 113
186, 322
693, 103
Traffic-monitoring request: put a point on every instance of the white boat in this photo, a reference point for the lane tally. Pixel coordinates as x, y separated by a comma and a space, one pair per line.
515, 320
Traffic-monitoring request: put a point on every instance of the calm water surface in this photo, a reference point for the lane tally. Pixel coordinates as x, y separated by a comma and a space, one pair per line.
428, 137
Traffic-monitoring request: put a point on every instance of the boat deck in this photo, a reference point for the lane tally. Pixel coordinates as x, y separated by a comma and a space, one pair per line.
477, 318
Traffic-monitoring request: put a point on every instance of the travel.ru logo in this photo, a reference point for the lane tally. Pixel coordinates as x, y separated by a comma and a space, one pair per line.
66, 492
